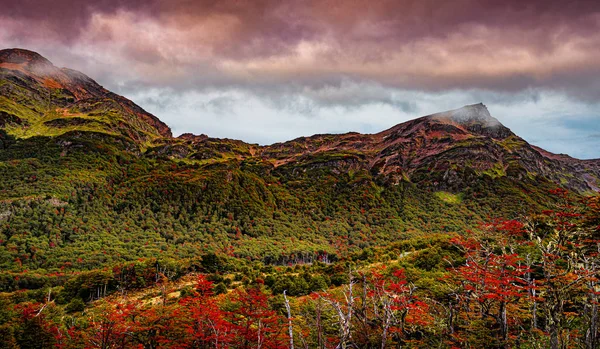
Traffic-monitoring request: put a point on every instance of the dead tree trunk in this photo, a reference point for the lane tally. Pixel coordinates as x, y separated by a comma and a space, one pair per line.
289, 314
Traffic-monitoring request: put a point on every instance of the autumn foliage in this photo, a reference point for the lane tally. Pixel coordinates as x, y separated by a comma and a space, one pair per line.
528, 283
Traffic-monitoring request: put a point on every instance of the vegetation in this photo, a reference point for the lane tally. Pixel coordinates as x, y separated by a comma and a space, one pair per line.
113, 234
529, 283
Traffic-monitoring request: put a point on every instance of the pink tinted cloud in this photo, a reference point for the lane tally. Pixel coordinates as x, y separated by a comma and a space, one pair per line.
412, 44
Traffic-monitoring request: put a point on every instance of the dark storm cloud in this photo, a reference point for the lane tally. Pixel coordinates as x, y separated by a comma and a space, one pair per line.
411, 44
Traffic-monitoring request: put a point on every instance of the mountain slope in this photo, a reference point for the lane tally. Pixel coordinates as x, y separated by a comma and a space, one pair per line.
38, 98
85, 172
429, 150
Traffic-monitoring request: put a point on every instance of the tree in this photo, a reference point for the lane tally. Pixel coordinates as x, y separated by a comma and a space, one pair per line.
558, 237
204, 322
254, 323
491, 281
396, 307
34, 330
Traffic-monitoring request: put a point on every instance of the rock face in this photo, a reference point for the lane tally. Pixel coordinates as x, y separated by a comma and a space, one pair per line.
476, 119
444, 151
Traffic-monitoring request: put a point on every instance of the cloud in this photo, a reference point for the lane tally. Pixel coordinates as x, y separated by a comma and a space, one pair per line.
328, 65
553, 121
425, 45
221, 105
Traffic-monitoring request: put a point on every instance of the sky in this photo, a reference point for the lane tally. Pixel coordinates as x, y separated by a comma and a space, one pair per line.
266, 71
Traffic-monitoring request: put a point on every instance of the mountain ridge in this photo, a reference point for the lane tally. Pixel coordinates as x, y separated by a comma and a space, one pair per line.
438, 143
477, 114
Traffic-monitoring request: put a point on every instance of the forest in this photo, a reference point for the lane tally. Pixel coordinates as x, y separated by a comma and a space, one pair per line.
530, 282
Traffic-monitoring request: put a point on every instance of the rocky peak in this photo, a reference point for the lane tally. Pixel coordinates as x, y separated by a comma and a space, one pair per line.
475, 113
475, 118
28, 62
21, 56
467, 115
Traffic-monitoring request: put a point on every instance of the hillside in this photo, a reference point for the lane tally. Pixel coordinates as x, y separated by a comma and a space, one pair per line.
453, 231
87, 172
39, 99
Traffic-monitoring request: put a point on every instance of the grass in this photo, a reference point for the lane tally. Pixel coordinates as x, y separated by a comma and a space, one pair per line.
512, 143
449, 197
496, 171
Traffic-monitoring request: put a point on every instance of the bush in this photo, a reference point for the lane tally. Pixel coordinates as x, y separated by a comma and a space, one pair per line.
76, 305
220, 288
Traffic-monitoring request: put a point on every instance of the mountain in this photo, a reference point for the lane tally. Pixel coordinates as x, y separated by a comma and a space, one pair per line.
41, 99
433, 150
85, 172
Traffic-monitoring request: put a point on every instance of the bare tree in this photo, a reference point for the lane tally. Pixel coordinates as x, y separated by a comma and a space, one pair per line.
289, 315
